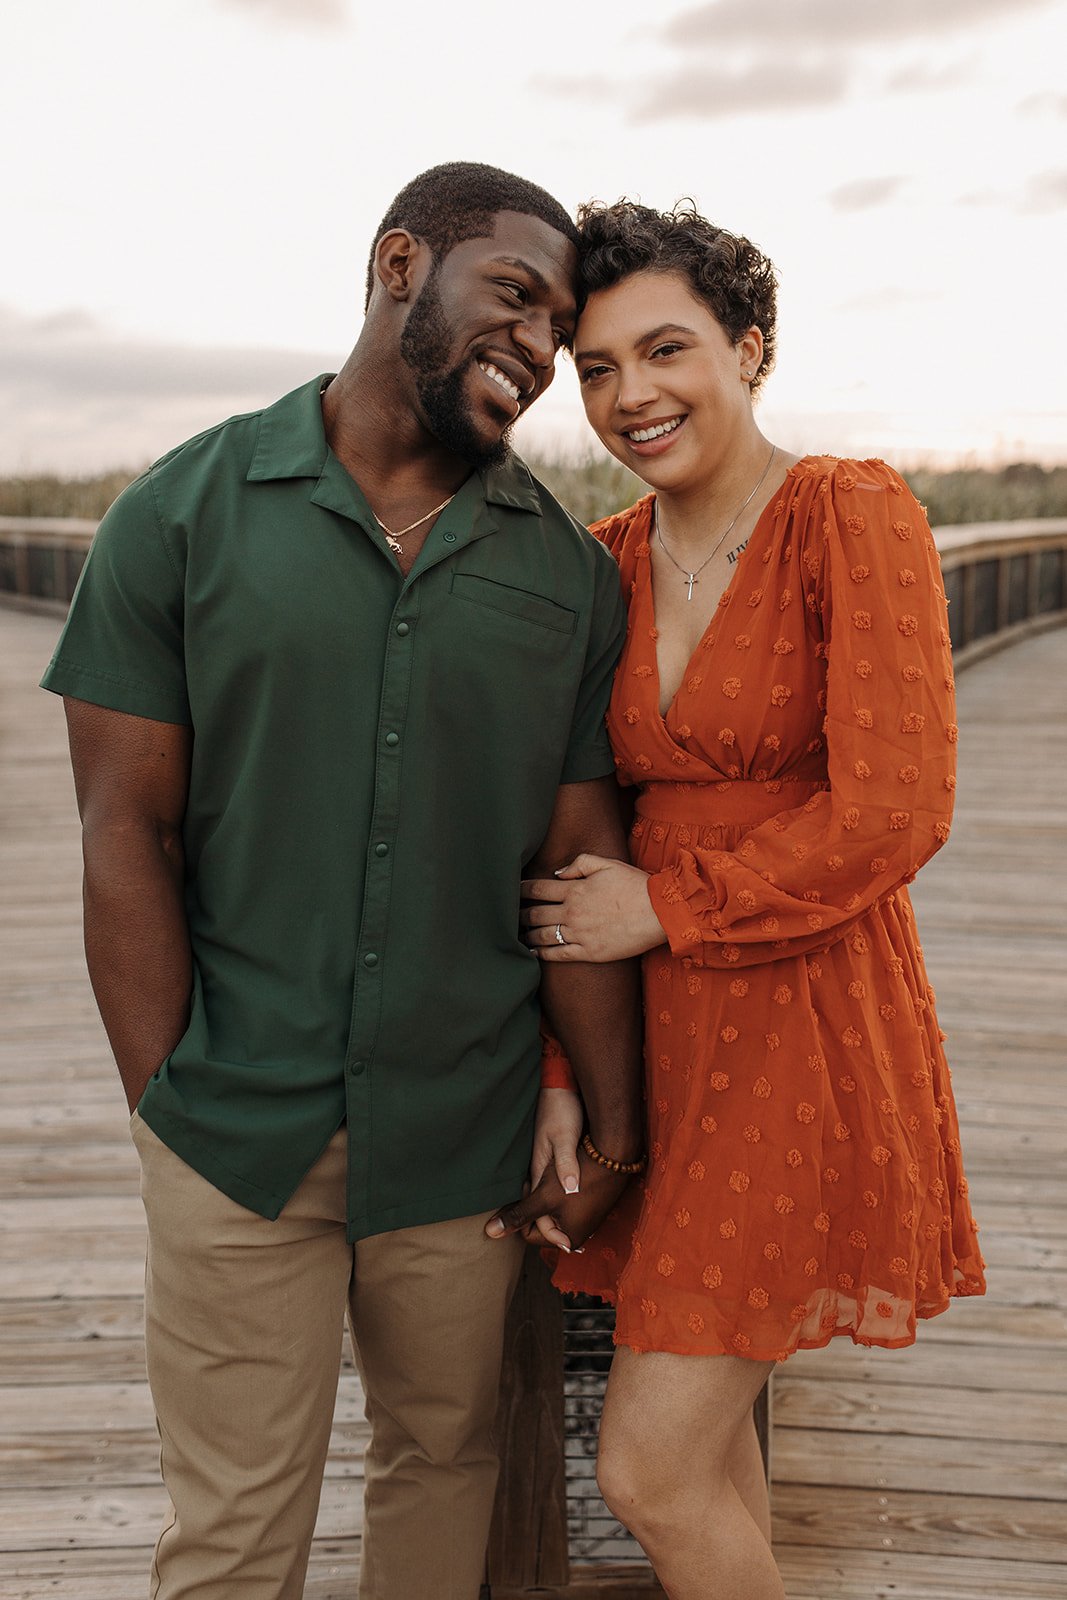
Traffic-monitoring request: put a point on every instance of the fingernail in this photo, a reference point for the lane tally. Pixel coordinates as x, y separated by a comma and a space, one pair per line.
495, 1228
566, 1247
579, 1250
557, 872
571, 1185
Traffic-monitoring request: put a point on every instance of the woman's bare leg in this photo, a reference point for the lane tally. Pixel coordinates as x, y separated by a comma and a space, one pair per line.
671, 1429
745, 1466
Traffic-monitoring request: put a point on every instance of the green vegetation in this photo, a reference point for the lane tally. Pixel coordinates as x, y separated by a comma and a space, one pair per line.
589, 486
977, 494
43, 496
595, 486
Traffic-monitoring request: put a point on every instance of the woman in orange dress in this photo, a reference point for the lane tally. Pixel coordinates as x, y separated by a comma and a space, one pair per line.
783, 715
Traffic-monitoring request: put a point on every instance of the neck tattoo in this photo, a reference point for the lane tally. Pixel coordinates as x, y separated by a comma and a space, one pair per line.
693, 577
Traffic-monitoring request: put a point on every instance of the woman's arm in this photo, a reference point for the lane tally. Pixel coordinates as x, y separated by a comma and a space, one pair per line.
801, 880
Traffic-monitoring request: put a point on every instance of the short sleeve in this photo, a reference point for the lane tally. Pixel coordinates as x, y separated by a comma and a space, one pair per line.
122, 646
589, 753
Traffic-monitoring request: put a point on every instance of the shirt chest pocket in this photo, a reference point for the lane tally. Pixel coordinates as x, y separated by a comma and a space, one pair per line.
518, 604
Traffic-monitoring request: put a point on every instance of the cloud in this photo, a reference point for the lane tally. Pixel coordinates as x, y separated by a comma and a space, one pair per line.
839, 22
320, 13
767, 85
1045, 191
75, 395
1047, 101
864, 193
918, 77
1040, 194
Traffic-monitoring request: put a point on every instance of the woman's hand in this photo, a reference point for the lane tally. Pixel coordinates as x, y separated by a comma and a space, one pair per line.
560, 1119
600, 907
571, 1217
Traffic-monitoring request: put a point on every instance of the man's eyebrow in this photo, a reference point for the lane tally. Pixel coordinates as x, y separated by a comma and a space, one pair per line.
531, 272
536, 277
645, 338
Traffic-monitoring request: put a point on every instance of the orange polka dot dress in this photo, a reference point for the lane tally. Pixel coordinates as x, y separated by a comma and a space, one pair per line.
804, 1173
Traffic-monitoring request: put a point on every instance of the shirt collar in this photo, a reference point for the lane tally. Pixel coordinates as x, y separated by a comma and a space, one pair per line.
292, 444
292, 441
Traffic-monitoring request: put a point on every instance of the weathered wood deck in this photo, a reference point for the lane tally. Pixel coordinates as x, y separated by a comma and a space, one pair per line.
933, 1474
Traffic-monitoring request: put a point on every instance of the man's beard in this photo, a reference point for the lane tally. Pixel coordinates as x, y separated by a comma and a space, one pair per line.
425, 345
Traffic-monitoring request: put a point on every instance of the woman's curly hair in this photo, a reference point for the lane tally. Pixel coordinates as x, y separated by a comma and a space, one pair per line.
735, 280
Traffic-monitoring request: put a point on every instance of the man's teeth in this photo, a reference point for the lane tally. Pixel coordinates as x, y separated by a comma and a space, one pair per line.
643, 435
506, 384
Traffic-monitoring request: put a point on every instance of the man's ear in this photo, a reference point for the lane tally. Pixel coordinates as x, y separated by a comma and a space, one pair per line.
400, 263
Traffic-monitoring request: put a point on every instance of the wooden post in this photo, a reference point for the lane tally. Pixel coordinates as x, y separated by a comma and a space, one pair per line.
528, 1544
528, 1541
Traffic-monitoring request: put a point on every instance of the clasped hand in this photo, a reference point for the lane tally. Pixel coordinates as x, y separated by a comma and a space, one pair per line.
601, 908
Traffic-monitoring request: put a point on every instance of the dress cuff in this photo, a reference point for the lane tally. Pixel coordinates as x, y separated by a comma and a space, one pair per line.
676, 917
555, 1068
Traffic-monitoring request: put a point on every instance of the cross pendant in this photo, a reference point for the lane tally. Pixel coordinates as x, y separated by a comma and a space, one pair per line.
691, 579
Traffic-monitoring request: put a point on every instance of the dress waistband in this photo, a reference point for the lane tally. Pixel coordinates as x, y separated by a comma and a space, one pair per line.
740, 800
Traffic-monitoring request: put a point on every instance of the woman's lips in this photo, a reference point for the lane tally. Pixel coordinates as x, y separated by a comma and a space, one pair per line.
660, 443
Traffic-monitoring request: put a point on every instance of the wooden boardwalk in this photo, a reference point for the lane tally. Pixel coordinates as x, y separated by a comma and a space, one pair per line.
938, 1473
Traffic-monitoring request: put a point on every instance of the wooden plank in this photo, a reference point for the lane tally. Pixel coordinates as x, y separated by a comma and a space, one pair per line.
991, 1527
1023, 1471
890, 1575
924, 1410
947, 1364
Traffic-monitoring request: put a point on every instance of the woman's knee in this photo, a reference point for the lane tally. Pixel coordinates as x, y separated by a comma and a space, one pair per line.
644, 1498
620, 1481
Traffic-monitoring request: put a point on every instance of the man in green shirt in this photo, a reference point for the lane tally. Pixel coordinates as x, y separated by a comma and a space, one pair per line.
335, 678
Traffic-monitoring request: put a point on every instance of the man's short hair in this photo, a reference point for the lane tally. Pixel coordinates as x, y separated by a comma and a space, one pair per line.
458, 200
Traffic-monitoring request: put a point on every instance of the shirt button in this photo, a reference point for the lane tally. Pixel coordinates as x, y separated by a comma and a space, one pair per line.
381, 849
450, 538
403, 629
370, 959
392, 740
357, 1068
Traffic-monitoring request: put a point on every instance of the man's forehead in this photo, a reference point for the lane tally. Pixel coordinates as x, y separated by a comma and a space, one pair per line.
517, 236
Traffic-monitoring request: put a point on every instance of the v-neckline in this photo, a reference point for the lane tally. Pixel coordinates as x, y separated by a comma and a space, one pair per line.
722, 604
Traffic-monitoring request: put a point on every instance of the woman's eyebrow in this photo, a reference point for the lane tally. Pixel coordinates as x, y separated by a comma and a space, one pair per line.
645, 338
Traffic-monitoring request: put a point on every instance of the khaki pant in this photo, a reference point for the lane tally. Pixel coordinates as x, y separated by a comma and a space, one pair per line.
243, 1322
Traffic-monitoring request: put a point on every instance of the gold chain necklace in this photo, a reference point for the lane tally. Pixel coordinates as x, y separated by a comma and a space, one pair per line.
393, 539
694, 577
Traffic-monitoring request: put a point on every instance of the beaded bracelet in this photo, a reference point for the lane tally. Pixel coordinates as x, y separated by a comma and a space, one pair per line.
627, 1167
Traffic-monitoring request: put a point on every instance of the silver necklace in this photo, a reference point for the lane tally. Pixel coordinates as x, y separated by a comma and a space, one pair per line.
393, 539
694, 577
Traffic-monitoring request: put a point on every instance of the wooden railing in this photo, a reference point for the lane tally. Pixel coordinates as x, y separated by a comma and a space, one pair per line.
1003, 579
40, 559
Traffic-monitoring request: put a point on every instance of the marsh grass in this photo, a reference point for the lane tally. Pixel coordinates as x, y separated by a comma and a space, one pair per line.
595, 486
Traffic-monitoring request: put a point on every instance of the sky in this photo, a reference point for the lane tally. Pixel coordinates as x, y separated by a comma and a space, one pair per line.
190, 189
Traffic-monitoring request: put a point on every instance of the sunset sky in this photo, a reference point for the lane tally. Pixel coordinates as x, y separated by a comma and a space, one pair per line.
191, 187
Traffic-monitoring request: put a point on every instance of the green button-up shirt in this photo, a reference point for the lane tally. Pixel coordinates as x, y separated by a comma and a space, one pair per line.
374, 760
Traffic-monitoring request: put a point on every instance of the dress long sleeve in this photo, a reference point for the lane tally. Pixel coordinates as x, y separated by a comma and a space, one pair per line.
876, 615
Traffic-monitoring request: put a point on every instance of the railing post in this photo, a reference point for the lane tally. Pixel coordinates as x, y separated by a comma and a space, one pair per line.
528, 1541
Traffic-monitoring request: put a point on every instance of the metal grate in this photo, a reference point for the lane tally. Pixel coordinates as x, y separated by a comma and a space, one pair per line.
593, 1533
